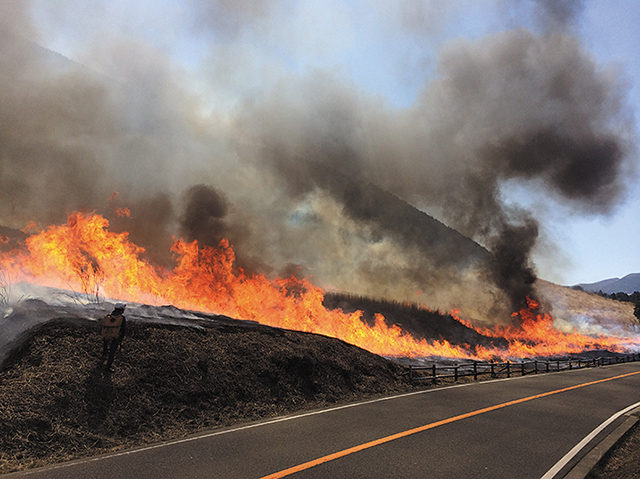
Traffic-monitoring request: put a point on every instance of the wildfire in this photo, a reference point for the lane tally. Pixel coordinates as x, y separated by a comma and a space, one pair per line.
536, 336
85, 256
123, 212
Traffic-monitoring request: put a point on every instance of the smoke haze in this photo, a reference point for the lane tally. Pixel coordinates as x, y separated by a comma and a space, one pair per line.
305, 171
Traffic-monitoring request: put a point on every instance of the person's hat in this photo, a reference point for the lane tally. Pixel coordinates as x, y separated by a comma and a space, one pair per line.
120, 306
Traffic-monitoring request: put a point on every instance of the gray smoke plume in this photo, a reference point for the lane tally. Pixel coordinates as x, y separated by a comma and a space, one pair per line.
558, 15
514, 106
311, 174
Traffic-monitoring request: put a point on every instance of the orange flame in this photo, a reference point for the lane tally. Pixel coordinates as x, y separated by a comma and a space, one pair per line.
85, 256
123, 212
536, 336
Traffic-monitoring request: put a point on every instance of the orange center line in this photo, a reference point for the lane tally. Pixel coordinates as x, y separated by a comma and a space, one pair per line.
409, 432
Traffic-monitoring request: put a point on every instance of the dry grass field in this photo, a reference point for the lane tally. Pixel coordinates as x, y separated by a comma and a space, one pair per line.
57, 404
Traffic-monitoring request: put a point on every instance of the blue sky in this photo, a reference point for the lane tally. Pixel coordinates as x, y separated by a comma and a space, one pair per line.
388, 50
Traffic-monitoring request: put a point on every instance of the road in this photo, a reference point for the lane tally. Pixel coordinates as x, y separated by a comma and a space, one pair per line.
519, 428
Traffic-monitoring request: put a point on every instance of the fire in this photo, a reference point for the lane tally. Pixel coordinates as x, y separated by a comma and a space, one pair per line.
85, 256
123, 212
536, 336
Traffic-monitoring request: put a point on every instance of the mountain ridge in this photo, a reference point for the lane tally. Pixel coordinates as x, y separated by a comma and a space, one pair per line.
627, 284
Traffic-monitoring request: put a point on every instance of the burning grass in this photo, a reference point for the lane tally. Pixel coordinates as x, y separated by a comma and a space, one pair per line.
418, 321
85, 256
56, 404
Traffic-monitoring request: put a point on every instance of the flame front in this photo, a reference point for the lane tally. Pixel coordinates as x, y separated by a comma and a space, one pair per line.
85, 256
537, 337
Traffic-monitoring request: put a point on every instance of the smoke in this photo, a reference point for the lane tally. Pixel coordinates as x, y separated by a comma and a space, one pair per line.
513, 106
228, 17
304, 170
558, 15
203, 219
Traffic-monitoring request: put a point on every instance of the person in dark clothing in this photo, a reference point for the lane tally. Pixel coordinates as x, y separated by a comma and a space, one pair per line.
114, 329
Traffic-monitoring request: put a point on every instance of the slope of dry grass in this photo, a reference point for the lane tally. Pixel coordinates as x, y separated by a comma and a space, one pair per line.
57, 404
587, 312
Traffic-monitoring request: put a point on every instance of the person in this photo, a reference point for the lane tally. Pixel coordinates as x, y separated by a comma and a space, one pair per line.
114, 329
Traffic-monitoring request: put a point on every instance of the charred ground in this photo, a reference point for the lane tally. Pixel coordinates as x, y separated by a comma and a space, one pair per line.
57, 404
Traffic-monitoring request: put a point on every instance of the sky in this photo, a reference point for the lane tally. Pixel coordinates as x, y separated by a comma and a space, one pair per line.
373, 63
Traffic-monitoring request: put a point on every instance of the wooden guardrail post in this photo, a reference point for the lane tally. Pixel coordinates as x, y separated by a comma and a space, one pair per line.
493, 371
411, 374
434, 373
475, 370
455, 373
508, 369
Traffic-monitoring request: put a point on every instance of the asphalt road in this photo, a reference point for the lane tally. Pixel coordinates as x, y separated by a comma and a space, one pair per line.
516, 428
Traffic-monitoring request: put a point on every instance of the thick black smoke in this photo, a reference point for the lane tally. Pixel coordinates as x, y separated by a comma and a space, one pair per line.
203, 218
510, 264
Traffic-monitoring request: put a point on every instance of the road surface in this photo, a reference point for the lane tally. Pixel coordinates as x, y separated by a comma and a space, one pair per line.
520, 428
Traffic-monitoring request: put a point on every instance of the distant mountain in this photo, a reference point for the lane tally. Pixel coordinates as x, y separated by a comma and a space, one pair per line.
628, 284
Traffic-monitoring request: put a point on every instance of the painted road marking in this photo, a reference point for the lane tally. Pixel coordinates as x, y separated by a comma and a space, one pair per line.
573, 452
409, 432
246, 427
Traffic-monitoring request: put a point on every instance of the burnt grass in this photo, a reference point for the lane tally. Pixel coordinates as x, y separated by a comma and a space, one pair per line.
420, 322
57, 403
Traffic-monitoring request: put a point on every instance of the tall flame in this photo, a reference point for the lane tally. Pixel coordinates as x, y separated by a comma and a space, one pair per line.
85, 256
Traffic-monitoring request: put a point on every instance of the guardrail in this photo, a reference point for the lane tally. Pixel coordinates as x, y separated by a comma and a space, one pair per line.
476, 369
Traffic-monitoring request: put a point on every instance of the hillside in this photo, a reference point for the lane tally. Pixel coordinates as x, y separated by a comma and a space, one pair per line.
421, 323
586, 312
169, 381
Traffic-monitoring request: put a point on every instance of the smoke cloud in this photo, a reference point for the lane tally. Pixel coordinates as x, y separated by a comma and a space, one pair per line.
536, 109
306, 171
203, 219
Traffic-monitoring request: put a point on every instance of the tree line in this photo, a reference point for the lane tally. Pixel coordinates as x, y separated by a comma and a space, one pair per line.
629, 298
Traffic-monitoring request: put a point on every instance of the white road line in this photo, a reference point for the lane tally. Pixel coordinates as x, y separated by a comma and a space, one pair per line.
240, 428
572, 453
265, 423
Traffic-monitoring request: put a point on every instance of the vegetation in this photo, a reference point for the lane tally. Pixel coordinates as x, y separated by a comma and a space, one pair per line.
620, 296
57, 404
622, 461
418, 321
